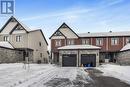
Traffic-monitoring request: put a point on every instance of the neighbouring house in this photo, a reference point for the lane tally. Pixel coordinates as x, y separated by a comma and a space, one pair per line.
123, 57
109, 42
26, 43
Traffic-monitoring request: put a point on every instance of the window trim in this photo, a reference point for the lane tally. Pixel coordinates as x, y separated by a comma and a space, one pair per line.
57, 43
6, 38
127, 40
70, 41
114, 38
99, 43
18, 38
85, 41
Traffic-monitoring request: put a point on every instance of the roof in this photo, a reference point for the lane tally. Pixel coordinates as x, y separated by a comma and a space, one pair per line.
104, 34
23, 25
64, 25
126, 47
79, 47
6, 44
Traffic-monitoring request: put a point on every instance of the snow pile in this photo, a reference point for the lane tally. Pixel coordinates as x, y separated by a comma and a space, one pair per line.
117, 71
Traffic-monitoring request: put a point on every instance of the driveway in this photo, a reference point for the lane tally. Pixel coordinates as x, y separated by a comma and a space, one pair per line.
104, 81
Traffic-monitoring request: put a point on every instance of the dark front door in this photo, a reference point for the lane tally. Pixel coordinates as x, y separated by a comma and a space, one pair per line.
69, 60
88, 60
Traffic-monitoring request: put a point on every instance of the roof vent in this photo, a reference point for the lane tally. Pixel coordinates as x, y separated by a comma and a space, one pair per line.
88, 32
110, 31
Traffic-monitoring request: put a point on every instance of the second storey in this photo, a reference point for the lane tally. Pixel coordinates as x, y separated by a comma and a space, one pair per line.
108, 41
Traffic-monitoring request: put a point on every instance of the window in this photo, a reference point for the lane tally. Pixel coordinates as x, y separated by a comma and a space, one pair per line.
18, 38
128, 40
57, 42
58, 33
99, 41
70, 42
6, 38
114, 41
41, 55
40, 44
85, 41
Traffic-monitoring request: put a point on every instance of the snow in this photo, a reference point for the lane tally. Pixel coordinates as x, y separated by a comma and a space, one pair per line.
79, 47
34, 75
117, 71
126, 47
6, 44
102, 34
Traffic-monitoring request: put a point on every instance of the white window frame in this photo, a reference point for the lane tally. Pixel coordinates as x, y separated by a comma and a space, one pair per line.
99, 41
85, 41
114, 41
57, 43
18, 38
6, 38
127, 40
70, 42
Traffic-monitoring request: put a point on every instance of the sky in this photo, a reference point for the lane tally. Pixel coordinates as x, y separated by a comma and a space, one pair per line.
81, 15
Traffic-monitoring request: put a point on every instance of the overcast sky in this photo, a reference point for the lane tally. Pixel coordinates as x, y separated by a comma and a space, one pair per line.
81, 15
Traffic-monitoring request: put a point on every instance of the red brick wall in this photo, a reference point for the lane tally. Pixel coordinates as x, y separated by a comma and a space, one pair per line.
78, 41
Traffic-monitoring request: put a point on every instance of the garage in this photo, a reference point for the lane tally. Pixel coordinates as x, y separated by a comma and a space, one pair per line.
79, 55
69, 60
88, 60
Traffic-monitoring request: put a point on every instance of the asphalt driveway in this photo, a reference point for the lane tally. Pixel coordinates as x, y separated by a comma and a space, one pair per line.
104, 81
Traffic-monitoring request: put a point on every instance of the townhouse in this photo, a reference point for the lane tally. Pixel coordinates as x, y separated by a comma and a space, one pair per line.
19, 43
71, 49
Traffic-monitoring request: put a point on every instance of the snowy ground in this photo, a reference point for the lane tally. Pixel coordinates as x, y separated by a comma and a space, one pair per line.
117, 71
39, 75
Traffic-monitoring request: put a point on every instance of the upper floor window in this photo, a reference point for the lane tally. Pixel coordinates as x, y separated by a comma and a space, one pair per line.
57, 42
99, 41
70, 42
58, 33
40, 44
128, 40
85, 41
18, 38
114, 41
41, 55
6, 38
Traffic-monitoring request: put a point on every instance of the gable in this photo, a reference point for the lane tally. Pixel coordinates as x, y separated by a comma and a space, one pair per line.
12, 25
18, 29
9, 27
66, 32
58, 35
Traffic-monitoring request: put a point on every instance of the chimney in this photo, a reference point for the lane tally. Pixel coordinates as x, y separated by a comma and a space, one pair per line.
110, 31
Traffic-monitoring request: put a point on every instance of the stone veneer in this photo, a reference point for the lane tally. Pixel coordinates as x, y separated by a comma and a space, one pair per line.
123, 57
12, 56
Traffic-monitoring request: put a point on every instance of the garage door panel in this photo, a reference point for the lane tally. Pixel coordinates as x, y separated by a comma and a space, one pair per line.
69, 60
88, 59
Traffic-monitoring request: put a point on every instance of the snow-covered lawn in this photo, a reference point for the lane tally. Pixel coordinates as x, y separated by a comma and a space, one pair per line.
15, 75
117, 71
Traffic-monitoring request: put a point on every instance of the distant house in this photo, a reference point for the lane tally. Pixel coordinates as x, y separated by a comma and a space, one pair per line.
15, 36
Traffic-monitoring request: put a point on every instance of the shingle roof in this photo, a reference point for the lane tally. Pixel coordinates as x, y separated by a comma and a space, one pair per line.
104, 34
79, 47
